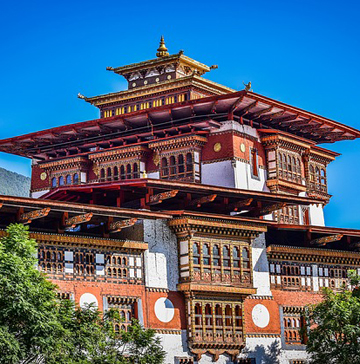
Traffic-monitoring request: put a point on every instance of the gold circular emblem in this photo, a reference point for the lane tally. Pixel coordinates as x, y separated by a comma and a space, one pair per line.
43, 176
217, 147
242, 147
145, 82
134, 84
157, 79
169, 77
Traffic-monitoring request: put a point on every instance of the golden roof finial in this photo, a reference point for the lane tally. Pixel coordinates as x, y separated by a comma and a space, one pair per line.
162, 51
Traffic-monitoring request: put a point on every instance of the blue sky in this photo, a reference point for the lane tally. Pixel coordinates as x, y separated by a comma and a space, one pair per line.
304, 53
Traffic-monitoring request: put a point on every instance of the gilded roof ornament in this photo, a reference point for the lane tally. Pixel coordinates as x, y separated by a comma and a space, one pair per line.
162, 51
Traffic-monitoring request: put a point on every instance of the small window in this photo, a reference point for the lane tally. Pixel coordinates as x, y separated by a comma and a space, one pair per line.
61, 181
68, 179
164, 167
76, 178
53, 182
135, 171
254, 163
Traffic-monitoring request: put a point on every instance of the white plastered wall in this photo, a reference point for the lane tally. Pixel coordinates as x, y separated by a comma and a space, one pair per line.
208, 359
260, 265
218, 174
317, 215
269, 351
244, 179
175, 345
161, 259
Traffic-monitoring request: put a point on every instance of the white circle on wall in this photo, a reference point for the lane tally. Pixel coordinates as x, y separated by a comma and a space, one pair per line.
164, 309
87, 299
260, 316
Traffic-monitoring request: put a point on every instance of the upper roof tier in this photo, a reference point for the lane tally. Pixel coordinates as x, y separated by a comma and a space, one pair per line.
158, 76
202, 114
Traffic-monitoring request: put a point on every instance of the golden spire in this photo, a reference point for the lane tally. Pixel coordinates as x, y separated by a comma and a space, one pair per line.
162, 51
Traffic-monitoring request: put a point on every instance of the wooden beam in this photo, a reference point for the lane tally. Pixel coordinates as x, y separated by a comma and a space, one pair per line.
117, 226
202, 200
270, 117
246, 109
28, 217
255, 115
156, 199
79, 219
240, 204
268, 209
236, 104
326, 239
289, 118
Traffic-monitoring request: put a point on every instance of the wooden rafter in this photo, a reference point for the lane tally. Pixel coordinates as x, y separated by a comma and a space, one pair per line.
285, 119
28, 217
156, 199
257, 114
326, 239
79, 219
203, 200
246, 109
270, 117
117, 226
236, 104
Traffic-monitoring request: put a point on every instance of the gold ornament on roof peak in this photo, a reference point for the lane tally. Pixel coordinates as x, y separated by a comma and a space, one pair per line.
162, 51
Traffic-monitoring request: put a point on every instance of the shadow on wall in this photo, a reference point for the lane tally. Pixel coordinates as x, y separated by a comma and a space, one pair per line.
266, 354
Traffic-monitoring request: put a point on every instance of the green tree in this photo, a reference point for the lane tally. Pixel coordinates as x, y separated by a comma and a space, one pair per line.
36, 327
28, 309
334, 334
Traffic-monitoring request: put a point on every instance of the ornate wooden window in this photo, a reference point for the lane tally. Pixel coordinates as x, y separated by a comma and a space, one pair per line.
317, 177
126, 306
227, 262
53, 182
61, 181
51, 260
180, 166
288, 215
289, 166
293, 322
215, 323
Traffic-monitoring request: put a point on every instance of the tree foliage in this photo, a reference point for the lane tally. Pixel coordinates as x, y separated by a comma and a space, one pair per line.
37, 327
334, 334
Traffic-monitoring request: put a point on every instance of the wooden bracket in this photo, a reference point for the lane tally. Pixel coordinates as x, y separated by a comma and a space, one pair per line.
117, 226
28, 217
326, 239
268, 209
156, 199
202, 200
79, 219
240, 204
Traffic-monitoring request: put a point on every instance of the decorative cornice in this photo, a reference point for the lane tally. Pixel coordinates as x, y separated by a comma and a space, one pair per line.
68, 163
138, 151
188, 226
180, 142
194, 287
157, 289
83, 240
279, 252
